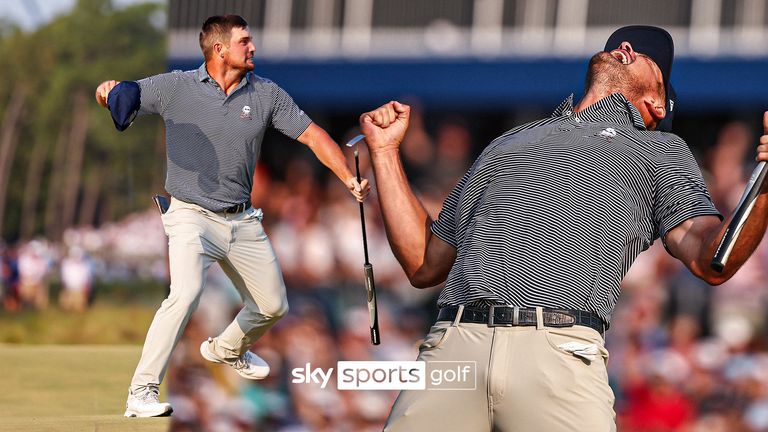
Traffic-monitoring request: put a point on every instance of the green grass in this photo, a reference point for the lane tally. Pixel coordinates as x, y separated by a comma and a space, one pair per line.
69, 388
64, 371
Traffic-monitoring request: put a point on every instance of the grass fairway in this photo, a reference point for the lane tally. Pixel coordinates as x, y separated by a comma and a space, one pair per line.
69, 388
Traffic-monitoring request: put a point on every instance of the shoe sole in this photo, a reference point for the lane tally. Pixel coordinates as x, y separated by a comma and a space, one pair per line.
134, 414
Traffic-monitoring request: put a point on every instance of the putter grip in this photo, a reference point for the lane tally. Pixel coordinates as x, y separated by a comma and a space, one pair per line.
740, 215
370, 288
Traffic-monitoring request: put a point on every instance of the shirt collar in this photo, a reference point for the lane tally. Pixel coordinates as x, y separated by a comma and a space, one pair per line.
615, 108
565, 106
202, 73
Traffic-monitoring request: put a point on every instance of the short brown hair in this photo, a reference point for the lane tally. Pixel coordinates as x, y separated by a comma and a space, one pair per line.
218, 28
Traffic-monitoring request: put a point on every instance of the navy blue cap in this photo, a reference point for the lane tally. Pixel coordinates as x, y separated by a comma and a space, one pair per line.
665, 125
124, 101
656, 43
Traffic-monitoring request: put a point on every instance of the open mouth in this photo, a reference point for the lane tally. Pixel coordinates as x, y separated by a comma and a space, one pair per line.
625, 57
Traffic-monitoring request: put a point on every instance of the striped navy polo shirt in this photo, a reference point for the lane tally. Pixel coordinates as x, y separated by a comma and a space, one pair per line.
213, 140
554, 212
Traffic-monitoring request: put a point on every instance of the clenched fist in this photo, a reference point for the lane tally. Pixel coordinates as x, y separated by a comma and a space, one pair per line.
102, 91
385, 127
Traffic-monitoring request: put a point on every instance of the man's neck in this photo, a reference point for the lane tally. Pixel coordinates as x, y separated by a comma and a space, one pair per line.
227, 78
594, 95
589, 98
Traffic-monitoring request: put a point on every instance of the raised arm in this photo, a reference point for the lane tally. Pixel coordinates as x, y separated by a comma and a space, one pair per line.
329, 154
694, 241
425, 258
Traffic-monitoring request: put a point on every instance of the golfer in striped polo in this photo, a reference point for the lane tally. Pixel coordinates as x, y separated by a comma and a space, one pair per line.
534, 240
215, 119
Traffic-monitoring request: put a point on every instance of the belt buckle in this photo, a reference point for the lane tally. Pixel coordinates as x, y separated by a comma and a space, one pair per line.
492, 321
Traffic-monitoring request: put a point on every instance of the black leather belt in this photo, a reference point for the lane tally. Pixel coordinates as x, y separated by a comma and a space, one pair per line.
238, 208
508, 316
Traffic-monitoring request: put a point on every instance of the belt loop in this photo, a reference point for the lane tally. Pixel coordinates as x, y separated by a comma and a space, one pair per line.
539, 318
459, 312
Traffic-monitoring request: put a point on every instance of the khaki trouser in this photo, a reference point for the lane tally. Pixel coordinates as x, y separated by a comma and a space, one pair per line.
196, 239
525, 382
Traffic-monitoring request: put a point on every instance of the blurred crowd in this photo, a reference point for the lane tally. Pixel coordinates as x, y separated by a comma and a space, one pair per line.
685, 356
27, 272
128, 249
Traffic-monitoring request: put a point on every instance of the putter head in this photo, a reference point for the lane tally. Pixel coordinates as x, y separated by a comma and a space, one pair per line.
355, 140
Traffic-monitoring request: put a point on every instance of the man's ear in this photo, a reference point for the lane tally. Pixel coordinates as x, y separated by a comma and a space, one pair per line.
655, 108
218, 49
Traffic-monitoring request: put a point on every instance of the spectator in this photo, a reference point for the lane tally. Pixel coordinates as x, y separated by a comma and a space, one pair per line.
77, 280
34, 268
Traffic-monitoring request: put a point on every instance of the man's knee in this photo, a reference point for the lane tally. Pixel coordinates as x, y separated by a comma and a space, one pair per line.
181, 299
263, 316
276, 311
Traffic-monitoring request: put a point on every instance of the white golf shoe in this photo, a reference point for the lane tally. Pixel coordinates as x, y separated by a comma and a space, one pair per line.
248, 365
146, 404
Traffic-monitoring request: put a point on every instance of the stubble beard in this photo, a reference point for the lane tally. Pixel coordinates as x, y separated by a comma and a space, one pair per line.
609, 76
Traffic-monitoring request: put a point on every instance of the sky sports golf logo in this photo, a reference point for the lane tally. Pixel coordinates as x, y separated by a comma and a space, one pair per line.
392, 375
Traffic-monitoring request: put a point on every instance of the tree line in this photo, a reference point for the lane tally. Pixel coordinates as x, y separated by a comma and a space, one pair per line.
62, 163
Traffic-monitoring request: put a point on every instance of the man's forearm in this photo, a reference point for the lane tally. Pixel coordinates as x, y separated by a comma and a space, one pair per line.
405, 219
326, 151
749, 239
330, 155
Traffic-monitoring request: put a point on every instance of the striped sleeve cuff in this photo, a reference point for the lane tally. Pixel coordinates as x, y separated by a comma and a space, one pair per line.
673, 221
444, 233
299, 126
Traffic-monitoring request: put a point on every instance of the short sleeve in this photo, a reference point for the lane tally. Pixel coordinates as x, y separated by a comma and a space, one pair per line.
680, 192
287, 117
445, 227
156, 92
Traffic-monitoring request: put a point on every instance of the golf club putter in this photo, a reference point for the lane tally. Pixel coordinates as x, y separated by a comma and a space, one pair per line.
370, 286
